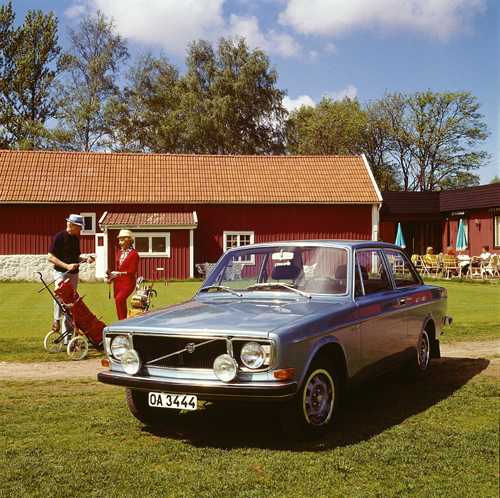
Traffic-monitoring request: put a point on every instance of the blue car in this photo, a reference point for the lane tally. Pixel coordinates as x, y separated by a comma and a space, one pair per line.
293, 323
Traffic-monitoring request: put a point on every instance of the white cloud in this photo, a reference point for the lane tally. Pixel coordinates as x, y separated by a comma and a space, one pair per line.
272, 42
433, 18
290, 104
76, 10
169, 23
351, 91
173, 24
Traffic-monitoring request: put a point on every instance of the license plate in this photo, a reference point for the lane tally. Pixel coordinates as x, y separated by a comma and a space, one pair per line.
177, 401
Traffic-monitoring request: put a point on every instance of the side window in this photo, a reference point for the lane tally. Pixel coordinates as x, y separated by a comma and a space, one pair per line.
402, 271
371, 273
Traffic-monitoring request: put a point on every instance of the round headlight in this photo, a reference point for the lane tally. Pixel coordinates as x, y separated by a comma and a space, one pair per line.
252, 355
225, 367
119, 345
131, 362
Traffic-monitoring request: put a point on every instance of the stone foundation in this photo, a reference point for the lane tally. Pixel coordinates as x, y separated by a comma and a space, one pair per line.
24, 267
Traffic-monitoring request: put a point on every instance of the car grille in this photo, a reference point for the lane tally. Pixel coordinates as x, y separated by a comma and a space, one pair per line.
153, 347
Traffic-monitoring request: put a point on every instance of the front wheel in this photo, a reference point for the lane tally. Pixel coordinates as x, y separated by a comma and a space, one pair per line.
78, 347
138, 405
53, 342
309, 414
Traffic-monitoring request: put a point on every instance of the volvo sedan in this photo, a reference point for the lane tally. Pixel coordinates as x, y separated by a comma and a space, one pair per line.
293, 323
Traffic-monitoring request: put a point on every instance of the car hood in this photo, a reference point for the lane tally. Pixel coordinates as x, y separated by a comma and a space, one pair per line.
234, 316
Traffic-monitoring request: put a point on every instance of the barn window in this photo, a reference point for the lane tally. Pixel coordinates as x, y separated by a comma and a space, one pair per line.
153, 244
89, 220
239, 239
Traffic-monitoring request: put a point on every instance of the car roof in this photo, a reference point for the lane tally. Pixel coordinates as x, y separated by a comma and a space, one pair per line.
354, 244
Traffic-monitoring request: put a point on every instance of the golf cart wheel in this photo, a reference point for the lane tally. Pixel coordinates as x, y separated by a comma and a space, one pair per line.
78, 348
53, 342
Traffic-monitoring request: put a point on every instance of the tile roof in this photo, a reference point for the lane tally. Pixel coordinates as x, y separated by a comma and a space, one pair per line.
148, 219
41, 176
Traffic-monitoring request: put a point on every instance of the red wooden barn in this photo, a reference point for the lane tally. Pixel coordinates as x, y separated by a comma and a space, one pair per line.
183, 209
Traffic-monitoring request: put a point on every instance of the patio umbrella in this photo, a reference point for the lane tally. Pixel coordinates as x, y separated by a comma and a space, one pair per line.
400, 240
461, 239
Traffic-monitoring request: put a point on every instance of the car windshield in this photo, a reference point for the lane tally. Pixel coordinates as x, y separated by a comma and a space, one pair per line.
311, 270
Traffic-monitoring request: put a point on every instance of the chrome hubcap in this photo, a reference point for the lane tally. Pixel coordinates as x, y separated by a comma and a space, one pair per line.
318, 398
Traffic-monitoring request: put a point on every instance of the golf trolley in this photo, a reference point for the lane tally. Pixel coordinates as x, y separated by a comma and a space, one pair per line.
85, 328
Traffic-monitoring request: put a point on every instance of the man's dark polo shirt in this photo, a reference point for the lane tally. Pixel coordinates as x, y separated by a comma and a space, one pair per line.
66, 248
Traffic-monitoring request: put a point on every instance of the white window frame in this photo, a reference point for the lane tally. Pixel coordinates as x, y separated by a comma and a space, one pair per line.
152, 254
238, 234
89, 232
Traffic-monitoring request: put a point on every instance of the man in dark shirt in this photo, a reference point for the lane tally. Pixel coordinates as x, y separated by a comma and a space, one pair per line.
64, 254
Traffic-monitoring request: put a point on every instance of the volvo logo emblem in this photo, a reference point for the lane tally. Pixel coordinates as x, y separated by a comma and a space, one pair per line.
190, 347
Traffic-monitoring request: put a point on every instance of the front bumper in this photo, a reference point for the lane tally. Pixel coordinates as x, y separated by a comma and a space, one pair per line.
206, 390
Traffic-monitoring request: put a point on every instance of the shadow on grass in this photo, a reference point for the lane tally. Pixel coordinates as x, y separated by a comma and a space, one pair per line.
367, 411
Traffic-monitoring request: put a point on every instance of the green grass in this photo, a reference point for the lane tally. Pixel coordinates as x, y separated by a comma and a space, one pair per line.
393, 439
27, 315
78, 439
474, 307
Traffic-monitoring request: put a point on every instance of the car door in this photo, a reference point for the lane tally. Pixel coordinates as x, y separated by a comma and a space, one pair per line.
382, 317
412, 294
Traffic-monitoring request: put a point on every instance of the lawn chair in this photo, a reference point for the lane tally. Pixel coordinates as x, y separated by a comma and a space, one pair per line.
450, 266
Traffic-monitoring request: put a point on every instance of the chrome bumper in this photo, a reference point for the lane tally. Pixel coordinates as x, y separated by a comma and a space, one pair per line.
206, 390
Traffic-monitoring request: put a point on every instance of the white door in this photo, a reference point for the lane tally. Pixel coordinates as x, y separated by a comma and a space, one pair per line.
101, 257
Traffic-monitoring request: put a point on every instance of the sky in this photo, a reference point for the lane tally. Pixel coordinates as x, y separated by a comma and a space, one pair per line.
326, 48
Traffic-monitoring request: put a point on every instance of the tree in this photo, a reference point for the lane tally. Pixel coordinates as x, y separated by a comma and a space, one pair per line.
6, 37
229, 102
376, 139
495, 180
145, 116
91, 67
447, 128
330, 128
29, 78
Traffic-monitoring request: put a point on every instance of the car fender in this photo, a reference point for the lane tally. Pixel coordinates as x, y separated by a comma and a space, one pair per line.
326, 346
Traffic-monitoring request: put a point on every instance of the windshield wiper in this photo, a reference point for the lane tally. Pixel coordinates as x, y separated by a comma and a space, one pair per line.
220, 287
278, 285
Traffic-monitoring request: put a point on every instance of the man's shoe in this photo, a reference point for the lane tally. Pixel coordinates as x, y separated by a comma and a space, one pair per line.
56, 327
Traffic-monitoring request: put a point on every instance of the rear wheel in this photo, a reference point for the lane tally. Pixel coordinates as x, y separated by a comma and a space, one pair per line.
309, 414
418, 366
53, 342
78, 347
138, 405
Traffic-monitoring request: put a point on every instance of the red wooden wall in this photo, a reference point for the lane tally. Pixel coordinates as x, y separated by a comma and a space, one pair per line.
28, 229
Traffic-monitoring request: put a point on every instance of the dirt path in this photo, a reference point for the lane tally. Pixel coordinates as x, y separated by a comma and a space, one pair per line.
90, 368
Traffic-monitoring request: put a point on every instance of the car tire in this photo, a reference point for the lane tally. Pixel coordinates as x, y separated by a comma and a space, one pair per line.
310, 413
138, 405
418, 366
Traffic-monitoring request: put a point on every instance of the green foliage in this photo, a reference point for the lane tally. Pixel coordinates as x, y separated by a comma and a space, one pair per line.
330, 128
26, 101
229, 100
91, 67
144, 115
